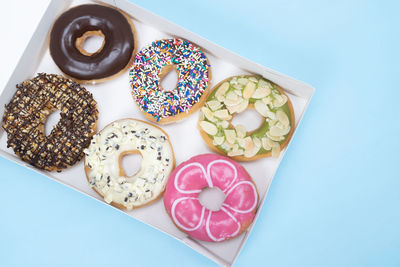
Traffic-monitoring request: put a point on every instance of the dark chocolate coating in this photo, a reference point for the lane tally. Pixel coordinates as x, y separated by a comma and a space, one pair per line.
117, 50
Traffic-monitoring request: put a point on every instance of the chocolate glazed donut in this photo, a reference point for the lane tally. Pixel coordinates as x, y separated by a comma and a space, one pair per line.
72, 27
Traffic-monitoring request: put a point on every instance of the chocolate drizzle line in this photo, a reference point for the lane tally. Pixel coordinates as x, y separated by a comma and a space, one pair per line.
112, 58
26, 114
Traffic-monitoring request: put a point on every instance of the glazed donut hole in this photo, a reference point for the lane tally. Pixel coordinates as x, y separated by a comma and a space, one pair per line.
51, 120
90, 42
130, 163
250, 119
168, 78
212, 198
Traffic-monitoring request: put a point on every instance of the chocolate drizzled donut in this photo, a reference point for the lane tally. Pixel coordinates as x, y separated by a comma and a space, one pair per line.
26, 114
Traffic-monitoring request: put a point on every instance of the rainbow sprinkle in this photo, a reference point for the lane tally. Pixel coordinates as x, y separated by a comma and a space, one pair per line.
193, 76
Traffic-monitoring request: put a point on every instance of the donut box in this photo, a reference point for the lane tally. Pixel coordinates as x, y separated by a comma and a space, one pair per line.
115, 102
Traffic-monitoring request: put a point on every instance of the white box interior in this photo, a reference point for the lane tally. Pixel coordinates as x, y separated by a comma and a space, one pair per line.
115, 102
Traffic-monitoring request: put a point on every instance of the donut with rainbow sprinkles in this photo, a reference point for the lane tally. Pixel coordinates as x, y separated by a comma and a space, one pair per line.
152, 63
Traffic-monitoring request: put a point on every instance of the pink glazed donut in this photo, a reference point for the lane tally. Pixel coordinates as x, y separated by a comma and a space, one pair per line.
181, 198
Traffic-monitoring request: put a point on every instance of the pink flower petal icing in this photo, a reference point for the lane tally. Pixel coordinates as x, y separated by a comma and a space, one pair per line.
191, 178
222, 173
188, 213
181, 198
242, 197
222, 225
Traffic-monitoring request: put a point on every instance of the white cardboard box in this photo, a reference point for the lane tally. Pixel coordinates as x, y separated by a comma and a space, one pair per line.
224, 63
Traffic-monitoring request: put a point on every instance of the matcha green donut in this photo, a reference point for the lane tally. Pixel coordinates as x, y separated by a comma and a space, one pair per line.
233, 96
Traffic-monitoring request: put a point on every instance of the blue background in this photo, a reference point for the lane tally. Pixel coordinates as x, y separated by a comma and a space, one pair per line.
336, 196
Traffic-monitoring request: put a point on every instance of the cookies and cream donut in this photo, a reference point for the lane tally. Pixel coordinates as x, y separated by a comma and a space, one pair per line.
233, 96
103, 163
26, 114
153, 62
76, 24
181, 198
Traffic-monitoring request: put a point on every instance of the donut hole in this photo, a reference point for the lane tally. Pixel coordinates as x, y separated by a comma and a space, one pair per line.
169, 78
212, 198
51, 121
249, 118
130, 163
90, 43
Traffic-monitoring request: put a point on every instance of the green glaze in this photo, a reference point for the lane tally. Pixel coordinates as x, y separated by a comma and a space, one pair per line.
264, 127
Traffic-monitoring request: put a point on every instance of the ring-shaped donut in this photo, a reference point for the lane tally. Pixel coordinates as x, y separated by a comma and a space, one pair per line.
70, 31
153, 62
104, 170
26, 114
181, 198
233, 96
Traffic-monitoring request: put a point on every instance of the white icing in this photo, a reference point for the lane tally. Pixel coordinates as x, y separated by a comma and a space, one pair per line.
102, 160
